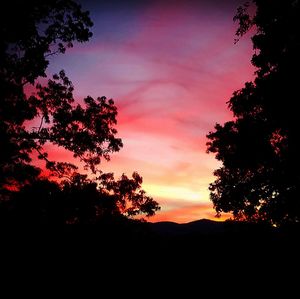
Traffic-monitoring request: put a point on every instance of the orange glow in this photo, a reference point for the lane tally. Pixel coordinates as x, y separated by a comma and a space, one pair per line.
186, 214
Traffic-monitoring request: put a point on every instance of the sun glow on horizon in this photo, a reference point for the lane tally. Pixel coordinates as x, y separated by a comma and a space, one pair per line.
176, 192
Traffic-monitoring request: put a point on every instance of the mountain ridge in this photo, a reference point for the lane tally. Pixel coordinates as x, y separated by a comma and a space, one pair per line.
203, 226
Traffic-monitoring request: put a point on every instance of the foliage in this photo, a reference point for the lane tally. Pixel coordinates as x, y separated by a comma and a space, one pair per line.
31, 32
129, 198
259, 179
78, 201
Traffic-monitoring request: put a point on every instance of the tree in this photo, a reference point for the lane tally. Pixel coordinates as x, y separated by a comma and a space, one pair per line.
128, 197
259, 179
79, 201
31, 32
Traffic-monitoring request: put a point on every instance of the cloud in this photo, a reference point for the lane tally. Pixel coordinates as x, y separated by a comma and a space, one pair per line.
170, 66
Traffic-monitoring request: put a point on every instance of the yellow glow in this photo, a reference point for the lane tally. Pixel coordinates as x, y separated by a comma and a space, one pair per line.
174, 192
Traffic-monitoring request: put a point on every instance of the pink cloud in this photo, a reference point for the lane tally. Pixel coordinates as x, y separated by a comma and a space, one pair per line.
170, 79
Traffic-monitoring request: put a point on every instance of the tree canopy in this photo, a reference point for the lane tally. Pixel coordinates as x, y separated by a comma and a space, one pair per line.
31, 32
79, 201
259, 179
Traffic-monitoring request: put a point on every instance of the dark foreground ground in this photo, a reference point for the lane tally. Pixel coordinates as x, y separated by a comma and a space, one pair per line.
224, 258
220, 241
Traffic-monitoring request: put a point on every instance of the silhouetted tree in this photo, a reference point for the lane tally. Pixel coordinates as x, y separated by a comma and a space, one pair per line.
89, 202
31, 32
129, 198
39, 203
259, 179
78, 200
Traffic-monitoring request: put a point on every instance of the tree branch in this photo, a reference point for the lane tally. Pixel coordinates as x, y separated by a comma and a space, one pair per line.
51, 54
60, 173
41, 124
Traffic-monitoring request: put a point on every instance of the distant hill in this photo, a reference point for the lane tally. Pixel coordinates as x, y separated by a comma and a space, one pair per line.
202, 226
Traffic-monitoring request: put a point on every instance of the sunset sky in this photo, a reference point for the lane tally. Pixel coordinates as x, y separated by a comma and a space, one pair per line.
170, 66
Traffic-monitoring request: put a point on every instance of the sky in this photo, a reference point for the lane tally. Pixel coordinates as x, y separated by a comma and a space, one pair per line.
170, 67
